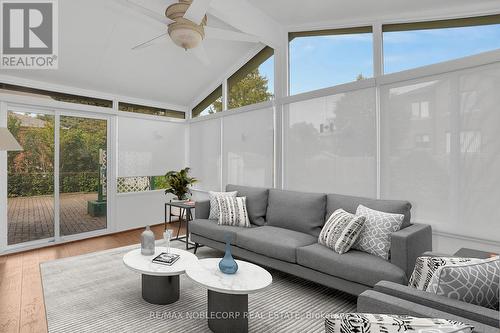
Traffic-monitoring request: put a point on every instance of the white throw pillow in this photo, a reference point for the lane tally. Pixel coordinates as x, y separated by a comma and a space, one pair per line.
233, 211
382, 323
341, 231
425, 267
375, 238
214, 207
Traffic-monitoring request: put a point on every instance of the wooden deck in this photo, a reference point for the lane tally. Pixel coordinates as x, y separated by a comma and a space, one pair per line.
32, 218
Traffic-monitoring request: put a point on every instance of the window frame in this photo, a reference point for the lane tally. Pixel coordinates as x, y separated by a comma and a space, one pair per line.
462, 22
207, 101
262, 56
160, 112
58, 96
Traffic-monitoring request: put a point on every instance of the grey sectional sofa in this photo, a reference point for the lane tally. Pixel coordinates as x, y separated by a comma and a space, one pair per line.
284, 236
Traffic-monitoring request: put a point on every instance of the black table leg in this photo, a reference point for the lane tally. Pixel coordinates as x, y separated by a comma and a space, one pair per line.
160, 289
227, 313
187, 229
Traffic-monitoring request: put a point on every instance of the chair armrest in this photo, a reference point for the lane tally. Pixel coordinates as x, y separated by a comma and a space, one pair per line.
372, 301
202, 209
435, 254
470, 311
408, 244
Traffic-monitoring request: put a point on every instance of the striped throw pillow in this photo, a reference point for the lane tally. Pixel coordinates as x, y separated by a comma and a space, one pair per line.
214, 206
341, 231
233, 211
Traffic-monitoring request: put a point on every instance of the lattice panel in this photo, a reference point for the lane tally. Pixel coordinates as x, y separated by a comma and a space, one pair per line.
133, 184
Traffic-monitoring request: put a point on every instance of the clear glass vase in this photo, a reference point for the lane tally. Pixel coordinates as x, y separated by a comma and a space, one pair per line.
167, 236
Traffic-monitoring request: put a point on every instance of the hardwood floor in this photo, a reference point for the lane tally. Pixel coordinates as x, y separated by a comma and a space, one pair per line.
21, 297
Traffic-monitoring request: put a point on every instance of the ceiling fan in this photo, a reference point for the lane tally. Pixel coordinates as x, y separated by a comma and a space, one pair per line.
186, 22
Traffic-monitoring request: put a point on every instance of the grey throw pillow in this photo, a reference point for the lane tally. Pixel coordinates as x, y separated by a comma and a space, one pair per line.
214, 208
233, 211
341, 230
375, 238
425, 267
475, 282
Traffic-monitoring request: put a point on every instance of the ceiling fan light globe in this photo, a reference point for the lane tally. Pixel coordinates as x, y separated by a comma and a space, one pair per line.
186, 37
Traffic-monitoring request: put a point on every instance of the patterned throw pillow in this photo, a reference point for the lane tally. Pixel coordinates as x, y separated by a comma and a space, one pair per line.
425, 267
475, 283
341, 231
233, 211
214, 207
375, 238
381, 323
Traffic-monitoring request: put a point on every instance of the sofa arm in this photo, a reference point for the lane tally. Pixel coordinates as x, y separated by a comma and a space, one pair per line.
202, 209
408, 244
470, 311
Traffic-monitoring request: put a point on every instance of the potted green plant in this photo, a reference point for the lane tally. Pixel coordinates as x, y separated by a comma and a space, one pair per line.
178, 182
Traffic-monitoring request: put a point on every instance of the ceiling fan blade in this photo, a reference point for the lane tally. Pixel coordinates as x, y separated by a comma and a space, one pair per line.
197, 10
201, 54
216, 33
145, 11
148, 42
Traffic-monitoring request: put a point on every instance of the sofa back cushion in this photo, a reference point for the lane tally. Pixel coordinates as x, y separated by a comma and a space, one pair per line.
256, 201
299, 211
350, 204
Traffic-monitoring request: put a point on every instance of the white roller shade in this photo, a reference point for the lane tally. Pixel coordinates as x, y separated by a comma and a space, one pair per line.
330, 144
248, 155
149, 147
440, 146
205, 142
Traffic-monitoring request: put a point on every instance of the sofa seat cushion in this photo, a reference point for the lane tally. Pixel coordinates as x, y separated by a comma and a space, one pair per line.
256, 201
274, 242
210, 229
355, 266
298, 211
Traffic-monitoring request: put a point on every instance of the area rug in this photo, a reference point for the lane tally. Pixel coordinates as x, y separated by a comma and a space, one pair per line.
97, 293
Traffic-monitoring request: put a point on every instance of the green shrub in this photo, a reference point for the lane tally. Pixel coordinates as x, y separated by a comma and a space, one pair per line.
32, 184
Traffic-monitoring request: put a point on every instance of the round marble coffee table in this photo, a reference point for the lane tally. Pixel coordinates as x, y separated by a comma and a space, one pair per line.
160, 283
228, 294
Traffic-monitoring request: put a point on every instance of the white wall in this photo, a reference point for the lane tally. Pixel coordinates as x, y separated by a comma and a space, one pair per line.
135, 210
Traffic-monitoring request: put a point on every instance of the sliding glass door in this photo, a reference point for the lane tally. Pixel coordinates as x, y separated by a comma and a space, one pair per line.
57, 185
30, 172
82, 174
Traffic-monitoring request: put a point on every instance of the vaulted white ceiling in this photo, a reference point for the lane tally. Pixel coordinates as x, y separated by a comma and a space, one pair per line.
96, 37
